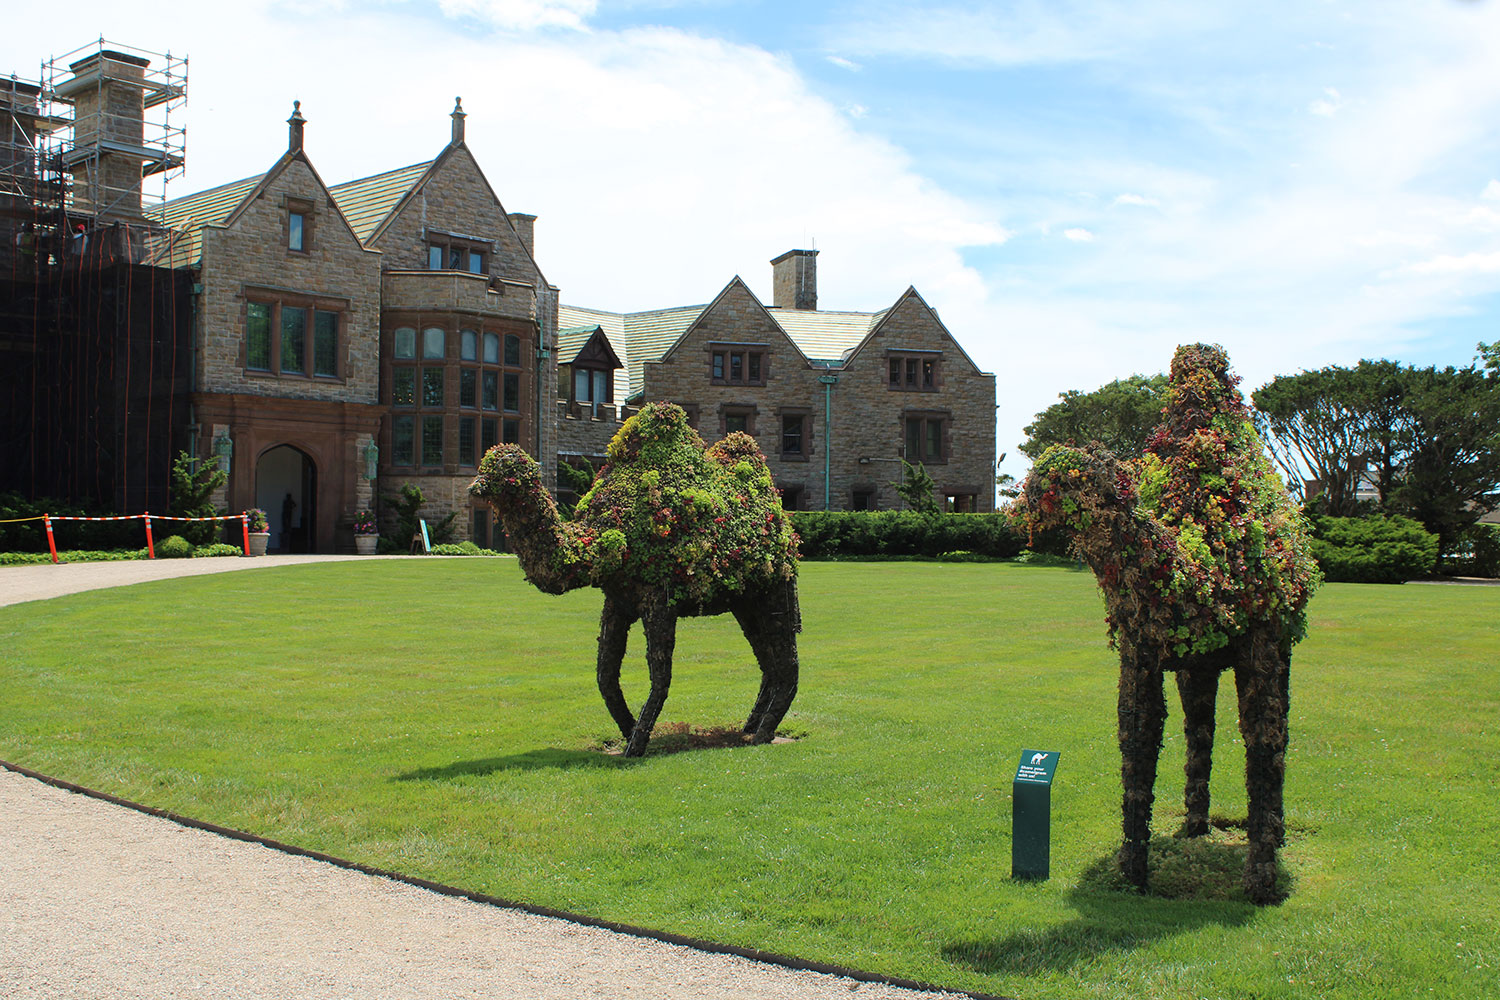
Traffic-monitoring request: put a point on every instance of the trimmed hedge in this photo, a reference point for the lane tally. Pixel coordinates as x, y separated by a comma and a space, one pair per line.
832, 534
1375, 549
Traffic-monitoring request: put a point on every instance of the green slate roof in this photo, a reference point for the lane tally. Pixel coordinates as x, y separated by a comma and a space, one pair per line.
367, 202
572, 340
635, 337
189, 215
825, 336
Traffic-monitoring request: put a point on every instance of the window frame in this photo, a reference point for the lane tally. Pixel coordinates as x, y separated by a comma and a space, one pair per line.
927, 421
480, 401
312, 308
298, 239
803, 416
447, 244
912, 370
734, 363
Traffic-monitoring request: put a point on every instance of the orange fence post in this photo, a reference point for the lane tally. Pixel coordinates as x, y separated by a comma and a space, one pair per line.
51, 543
150, 546
245, 524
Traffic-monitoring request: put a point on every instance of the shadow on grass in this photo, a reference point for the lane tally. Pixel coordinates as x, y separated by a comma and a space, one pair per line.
1195, 883
531, 760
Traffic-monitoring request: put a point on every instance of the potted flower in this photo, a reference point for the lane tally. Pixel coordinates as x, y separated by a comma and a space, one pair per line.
260, 531
366, 533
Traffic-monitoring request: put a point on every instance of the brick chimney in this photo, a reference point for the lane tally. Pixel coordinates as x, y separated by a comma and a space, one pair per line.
525, 227
107, 90
794, 280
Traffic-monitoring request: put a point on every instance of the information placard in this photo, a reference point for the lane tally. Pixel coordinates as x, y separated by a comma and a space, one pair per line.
1031, 815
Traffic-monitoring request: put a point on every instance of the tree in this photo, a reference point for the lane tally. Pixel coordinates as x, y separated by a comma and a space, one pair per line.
192, 488
1427, 438
1449, 475
1120, 416
1332, 426
917, 488
408, 508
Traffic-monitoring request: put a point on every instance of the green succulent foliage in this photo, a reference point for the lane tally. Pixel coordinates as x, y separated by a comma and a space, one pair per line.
1221, 545
665, 509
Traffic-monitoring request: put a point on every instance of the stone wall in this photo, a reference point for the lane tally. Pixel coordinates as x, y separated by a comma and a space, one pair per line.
251, 255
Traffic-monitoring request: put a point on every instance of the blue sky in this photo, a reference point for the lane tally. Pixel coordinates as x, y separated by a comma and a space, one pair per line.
1077, 187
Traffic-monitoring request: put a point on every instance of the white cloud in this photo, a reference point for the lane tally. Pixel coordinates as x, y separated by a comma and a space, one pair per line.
1079, 235
1328, 105
1136, 199
843, 63
1491, 191
523, 15
856, 111
1448, 264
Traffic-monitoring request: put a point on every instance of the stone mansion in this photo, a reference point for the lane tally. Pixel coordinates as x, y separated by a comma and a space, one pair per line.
330, 343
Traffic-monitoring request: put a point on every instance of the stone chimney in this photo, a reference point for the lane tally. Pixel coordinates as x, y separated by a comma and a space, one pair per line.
794, 280
107, 90
294, 126
525, 227
458, 117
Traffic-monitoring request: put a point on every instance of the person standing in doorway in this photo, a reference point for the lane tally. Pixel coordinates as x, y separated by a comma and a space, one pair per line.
288, 509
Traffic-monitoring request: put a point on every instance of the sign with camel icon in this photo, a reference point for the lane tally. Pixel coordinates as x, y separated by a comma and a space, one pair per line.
1037, 766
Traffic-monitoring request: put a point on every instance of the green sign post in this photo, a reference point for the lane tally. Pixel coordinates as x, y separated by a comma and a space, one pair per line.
1031, 815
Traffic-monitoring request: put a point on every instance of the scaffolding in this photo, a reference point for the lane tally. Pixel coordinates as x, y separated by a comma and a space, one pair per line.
119, 103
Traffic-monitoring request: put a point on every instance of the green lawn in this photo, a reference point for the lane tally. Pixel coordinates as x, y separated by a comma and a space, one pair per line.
438, 717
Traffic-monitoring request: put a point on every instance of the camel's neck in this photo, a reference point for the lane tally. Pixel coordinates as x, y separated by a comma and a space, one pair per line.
1118, 535
548, 548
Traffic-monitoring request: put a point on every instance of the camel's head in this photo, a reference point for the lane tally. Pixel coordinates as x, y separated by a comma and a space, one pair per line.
653, 435
507, 476
1068, 486
1201, 380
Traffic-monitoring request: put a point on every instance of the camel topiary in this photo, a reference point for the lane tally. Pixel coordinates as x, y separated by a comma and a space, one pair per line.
669, 530
1205, 566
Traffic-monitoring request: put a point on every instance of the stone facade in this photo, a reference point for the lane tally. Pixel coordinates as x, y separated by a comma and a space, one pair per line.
506, 297
252, 273
834, 432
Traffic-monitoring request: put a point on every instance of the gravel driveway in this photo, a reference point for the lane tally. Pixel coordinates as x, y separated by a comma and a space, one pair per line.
101, 901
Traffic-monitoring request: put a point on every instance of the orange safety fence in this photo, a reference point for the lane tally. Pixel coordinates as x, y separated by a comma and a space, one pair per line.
243, 517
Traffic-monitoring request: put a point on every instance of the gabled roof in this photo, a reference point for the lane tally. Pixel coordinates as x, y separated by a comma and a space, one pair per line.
367, 202
912, 293
586, 343
189, 215
635, 337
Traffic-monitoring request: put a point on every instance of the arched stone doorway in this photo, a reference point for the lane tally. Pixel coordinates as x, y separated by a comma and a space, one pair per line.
286, 488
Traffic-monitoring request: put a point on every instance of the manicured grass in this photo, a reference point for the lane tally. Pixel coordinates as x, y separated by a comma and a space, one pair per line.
437, 717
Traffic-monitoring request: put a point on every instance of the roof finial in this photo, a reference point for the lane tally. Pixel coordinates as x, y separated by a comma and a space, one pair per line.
458, 120
294, 128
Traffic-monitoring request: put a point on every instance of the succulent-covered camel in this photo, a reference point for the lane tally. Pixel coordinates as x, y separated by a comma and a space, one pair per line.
670, 529
1205, 566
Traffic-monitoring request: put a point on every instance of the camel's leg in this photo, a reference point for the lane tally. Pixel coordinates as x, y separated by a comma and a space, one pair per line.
1142, 712
1262, 681
614, 633
775, 646
661, 638
1199, 690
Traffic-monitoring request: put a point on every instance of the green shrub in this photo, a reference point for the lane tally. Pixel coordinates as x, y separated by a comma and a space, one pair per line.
835, 534
461, 549
217, 549
174, 547
71, 556
1477, 552
1374, 549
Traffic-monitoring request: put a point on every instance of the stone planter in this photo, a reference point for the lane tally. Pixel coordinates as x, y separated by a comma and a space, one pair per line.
365, 544
258, 542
